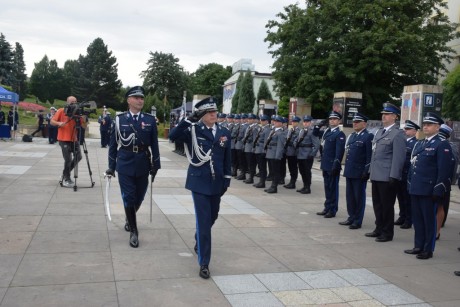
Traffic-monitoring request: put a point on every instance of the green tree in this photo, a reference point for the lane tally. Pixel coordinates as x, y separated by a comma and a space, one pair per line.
99, 75
264, 92
208, 79
6, 61
236, 94
451, 95
373, 47
283, 106
246, 95
19, 72
39, 80
72, 73
165, 77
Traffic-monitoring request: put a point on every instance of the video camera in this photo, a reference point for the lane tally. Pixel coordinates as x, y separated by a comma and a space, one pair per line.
78, 109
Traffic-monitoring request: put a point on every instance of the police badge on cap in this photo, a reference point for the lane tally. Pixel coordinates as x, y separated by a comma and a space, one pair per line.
206, 105
137, 91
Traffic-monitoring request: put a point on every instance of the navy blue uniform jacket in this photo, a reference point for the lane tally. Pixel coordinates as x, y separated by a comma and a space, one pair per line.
359, 153
333, 149
199, 178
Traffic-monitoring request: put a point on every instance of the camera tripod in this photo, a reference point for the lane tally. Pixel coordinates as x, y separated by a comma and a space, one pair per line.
81, 141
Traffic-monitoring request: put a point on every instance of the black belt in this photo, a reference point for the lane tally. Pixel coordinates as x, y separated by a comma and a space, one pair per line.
306, 145
135, 148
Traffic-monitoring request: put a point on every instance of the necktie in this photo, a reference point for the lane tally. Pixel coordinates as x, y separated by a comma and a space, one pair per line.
211, 130
384, 130
135, 118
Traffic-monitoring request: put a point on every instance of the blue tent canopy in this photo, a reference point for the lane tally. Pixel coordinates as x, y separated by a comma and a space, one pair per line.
6, 95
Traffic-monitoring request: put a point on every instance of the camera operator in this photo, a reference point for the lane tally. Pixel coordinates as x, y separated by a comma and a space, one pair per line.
67, 137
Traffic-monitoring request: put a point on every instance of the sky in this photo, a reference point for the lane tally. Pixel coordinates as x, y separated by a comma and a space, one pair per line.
196, 32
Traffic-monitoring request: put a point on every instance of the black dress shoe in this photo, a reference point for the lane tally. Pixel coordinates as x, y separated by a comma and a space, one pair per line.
271, 190
345, 223
281, 182
204, 272
241, 177
290, 185
305, 191
259, 185
133, 240
457, 273
269, 179
249, 181
425, 255
324, 212
373, 234
405, 226
383, 239
354, 226
399, 221
414, 251
329, 215
300, 190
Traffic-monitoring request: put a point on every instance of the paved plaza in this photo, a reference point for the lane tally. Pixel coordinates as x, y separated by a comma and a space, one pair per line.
57, 247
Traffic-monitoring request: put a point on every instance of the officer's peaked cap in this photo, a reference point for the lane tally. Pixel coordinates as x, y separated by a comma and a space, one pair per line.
359, 117
264, 117
208, 105
222, 115
237, 116
307, 118
278, 118
252, 116
296, 119
334, 114
230, 116
135, 91
408, 124
389, 108
432, 118
445, 130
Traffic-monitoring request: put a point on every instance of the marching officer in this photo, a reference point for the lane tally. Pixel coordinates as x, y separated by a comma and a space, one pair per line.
307, 145
291, 154
134, 154
248, 149
429, 181
274, 146
358, 151
405, 218
209, 173
263, 131
388, 155
333, 142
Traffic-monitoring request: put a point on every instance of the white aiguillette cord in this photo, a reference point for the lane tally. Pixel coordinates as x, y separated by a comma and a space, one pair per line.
199, 152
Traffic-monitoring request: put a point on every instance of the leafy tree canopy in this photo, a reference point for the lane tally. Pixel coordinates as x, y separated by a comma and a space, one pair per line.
236, 94
264, 92
6, 61
246, 98
208, 80
451, 95
373, 47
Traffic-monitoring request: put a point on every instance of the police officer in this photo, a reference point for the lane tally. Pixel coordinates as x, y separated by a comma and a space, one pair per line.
234, 134
274, 152
52, 130
208, 176
333, 142
263, 131
239, 146
133, 133
105, 123
248, 148
429, 181
388, 155
405, 218
291, 154
221, 120
358, 150
307, 145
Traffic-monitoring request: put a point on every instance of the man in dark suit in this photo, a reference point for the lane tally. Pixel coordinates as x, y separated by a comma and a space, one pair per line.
358, 150
429, 181
134, 154
208, 177
405, 217
388, 155
333, 142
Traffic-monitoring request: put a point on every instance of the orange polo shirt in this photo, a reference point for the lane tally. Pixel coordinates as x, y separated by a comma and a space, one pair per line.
66, 133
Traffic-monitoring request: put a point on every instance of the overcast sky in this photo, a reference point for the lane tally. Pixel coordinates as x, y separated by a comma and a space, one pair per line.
196, 32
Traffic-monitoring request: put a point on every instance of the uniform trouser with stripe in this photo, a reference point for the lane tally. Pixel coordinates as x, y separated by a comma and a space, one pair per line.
292, 166
356, 200
206, 213
133, 189
424, 219
305, 166
383, 200
331, 191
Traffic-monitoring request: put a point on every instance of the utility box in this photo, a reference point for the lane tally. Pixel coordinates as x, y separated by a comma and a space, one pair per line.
347, 104
419, 99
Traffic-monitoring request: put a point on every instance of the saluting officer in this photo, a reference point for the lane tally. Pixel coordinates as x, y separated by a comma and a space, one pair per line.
263, 131
429, 181
405, 218
333, 142
275, 150
133, 133
291, 154
388, 155
358, 150
208, 177
307, 145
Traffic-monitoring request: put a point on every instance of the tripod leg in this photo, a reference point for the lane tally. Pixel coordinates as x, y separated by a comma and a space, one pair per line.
85, 150
75, 170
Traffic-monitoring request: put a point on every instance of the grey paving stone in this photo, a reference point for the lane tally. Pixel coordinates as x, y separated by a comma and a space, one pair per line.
8, 267
23, 205
390, 295
282, 281
2, 293
350, 294
366, 303
150, 239
322, 296
256, 220
72, 295
234, 284
19, 223
14, 242
170, 292
322, 279
276, 236
360, 277
72, 222
66, 209
63, 268
69, 242
265, 299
